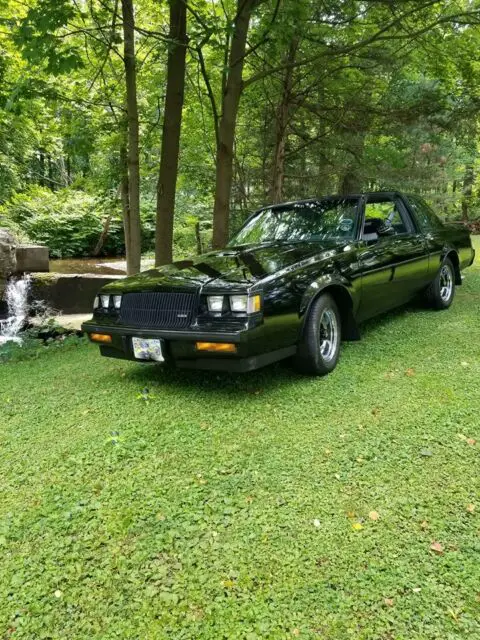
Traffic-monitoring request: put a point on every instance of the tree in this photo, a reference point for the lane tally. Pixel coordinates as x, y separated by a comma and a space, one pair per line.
231, 94
133, 239
281, 124
172, 122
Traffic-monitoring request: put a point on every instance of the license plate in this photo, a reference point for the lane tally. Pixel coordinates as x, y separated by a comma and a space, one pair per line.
147, 349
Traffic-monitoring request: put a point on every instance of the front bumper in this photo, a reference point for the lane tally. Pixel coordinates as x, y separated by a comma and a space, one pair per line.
179, 346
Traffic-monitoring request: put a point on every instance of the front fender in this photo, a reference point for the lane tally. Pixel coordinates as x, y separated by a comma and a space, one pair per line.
316, 287
342, 292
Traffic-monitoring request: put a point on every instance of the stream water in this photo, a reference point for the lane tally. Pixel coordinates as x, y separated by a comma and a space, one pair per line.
107, 266
16, 296
17, 293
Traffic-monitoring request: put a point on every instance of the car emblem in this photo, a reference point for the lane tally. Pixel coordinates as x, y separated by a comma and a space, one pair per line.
181, 315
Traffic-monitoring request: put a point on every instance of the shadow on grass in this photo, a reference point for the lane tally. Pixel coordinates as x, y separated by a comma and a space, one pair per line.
274, 376
278, 375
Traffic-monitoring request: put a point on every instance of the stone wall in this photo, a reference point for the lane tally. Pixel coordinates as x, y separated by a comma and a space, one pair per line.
8, 258
68, 293
32, 258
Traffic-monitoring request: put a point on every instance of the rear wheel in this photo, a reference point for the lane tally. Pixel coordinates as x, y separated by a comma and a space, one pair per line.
441, 291
318, 350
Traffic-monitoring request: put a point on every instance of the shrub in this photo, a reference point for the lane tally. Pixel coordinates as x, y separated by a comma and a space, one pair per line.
69, 221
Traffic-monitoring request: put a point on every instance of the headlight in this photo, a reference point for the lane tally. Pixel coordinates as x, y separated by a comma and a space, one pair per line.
215, 304
245, 304
117, 302
96, 302
239, 303
105, 300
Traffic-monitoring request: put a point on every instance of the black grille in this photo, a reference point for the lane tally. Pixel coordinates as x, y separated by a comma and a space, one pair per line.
159, 310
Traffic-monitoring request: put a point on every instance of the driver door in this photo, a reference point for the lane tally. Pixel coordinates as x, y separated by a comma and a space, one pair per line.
392, 256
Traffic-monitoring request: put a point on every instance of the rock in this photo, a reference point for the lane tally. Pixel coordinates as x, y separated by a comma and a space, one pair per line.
8, 260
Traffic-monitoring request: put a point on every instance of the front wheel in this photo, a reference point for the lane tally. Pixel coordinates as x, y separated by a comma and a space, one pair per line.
441, 291
319, 347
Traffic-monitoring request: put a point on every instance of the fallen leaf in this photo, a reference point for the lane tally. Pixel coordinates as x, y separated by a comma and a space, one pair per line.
454, 614
424, 525
296, 632
426, 453
356, 526
461, 436
388, 602
410, 372
316, 523
470, 508
228, 584
437, 548
58, 593
374, 515
249, 499
471, 441
350, 514
416, 590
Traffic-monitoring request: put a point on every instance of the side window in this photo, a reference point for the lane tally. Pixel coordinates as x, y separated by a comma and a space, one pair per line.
426, 217
381, 214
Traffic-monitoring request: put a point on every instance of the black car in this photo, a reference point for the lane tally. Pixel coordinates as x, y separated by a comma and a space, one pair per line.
293, 282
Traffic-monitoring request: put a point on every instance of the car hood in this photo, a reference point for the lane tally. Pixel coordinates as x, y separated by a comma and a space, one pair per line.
245, 265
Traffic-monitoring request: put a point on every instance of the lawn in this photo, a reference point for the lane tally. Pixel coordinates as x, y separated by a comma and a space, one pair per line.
137, 503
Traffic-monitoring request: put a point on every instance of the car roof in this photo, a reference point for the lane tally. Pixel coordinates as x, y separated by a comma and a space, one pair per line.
349, 196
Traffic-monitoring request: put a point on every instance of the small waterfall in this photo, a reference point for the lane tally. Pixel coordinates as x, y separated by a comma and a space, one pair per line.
16, 295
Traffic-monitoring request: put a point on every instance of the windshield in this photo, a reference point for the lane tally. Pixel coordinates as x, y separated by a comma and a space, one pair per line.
301, 221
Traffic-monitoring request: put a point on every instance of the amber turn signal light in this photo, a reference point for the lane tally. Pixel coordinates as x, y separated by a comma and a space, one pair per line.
100, 337
223, 347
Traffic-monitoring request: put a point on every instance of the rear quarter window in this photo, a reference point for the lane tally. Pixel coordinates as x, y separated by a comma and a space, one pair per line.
425, 216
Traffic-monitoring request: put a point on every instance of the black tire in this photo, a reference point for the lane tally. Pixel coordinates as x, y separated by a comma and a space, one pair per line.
318, 350
441, 291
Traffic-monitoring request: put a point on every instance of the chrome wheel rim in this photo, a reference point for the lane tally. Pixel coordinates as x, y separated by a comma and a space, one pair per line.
328, 335
446, 283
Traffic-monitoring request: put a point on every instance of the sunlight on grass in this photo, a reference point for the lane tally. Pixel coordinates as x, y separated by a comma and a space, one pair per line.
138, 503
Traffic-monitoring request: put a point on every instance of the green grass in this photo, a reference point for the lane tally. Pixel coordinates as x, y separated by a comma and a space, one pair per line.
224, 507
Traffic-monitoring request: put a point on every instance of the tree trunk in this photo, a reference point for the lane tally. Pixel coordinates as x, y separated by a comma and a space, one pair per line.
103, 236
351, 182
198, 238
41, 162
172, 122
133, 238
124, 191
226, 130
281, 124
352, 179
467, 191
51, 181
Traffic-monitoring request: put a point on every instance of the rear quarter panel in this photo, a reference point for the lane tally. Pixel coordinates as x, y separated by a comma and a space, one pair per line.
459, 236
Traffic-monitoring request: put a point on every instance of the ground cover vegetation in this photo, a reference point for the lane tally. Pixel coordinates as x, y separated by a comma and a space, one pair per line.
137, 502
160, 126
